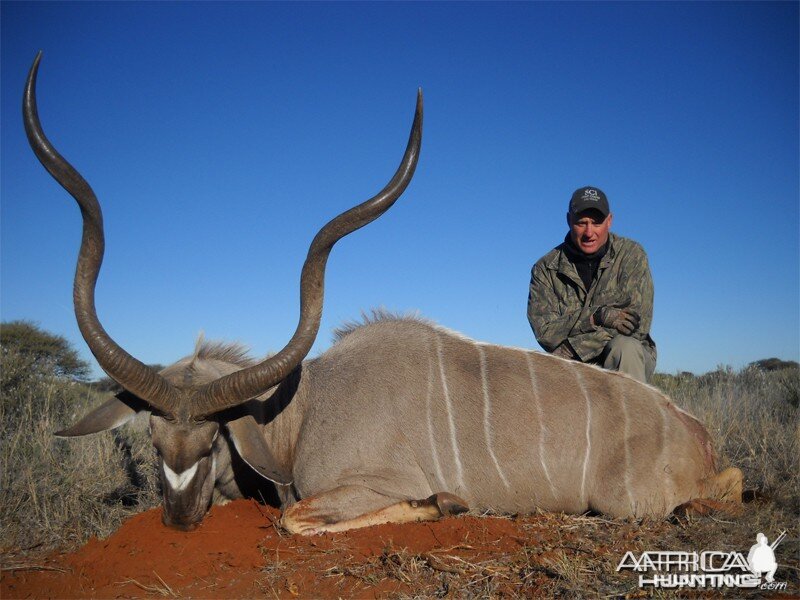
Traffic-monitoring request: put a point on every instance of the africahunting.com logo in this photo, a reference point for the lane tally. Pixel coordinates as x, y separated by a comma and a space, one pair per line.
708, 568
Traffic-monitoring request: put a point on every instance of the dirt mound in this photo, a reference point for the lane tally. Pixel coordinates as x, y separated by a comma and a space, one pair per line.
239, 552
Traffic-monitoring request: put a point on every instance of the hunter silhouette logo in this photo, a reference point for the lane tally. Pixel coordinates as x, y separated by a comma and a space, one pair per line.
761, 558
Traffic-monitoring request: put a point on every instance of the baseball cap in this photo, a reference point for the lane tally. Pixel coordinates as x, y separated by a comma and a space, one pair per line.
586, 198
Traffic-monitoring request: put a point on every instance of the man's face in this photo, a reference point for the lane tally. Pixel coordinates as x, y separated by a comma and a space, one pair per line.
589, 230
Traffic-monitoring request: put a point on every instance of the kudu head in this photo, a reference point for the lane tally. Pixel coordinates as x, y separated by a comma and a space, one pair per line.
184, 401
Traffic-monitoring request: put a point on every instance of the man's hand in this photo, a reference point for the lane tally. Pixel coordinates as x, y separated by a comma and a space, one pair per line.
623, 319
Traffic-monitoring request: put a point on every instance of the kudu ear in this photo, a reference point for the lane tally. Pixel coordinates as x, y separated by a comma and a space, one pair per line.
111, 414
250, 444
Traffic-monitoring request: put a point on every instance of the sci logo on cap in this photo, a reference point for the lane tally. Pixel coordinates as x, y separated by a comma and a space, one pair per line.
590, 194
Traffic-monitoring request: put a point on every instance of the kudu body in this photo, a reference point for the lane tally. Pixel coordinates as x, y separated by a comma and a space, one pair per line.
400, 420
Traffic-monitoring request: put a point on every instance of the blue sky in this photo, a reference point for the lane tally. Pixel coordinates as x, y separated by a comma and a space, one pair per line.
220, 136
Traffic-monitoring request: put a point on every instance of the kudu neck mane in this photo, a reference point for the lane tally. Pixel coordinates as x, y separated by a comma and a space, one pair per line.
210, 361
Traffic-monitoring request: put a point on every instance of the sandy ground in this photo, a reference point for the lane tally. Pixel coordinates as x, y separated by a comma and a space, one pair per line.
239, 552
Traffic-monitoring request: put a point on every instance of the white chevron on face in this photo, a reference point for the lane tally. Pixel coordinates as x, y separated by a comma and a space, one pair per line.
179, 481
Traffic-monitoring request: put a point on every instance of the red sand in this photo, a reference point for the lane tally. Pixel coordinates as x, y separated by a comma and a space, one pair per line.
237, 552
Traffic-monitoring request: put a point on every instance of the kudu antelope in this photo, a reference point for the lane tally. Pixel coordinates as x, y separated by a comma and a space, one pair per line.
400, 420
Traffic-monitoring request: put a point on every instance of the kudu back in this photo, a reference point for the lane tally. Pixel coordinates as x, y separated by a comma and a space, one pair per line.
401, 420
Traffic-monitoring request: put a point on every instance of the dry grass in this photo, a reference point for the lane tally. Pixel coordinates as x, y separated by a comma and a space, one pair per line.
580, 562
58, 492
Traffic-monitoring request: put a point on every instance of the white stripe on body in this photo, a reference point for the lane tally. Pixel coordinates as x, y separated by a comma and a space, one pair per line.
627, 454
440, 482
448, 405
542, 430
579, 377
487, 410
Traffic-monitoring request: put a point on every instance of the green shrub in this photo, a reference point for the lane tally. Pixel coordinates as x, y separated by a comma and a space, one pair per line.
43, 350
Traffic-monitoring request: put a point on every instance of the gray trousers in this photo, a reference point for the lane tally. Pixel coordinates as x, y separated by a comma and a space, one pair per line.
627, 355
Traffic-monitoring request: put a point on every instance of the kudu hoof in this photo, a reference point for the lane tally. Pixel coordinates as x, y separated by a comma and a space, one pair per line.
449, 504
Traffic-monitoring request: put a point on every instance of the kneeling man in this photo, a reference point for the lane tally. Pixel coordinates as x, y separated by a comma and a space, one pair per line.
591, 297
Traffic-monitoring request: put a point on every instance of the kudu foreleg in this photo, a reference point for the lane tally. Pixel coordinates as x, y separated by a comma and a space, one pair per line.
353, 507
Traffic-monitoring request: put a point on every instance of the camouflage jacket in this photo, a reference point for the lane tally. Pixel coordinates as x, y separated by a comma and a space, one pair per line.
560, 307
